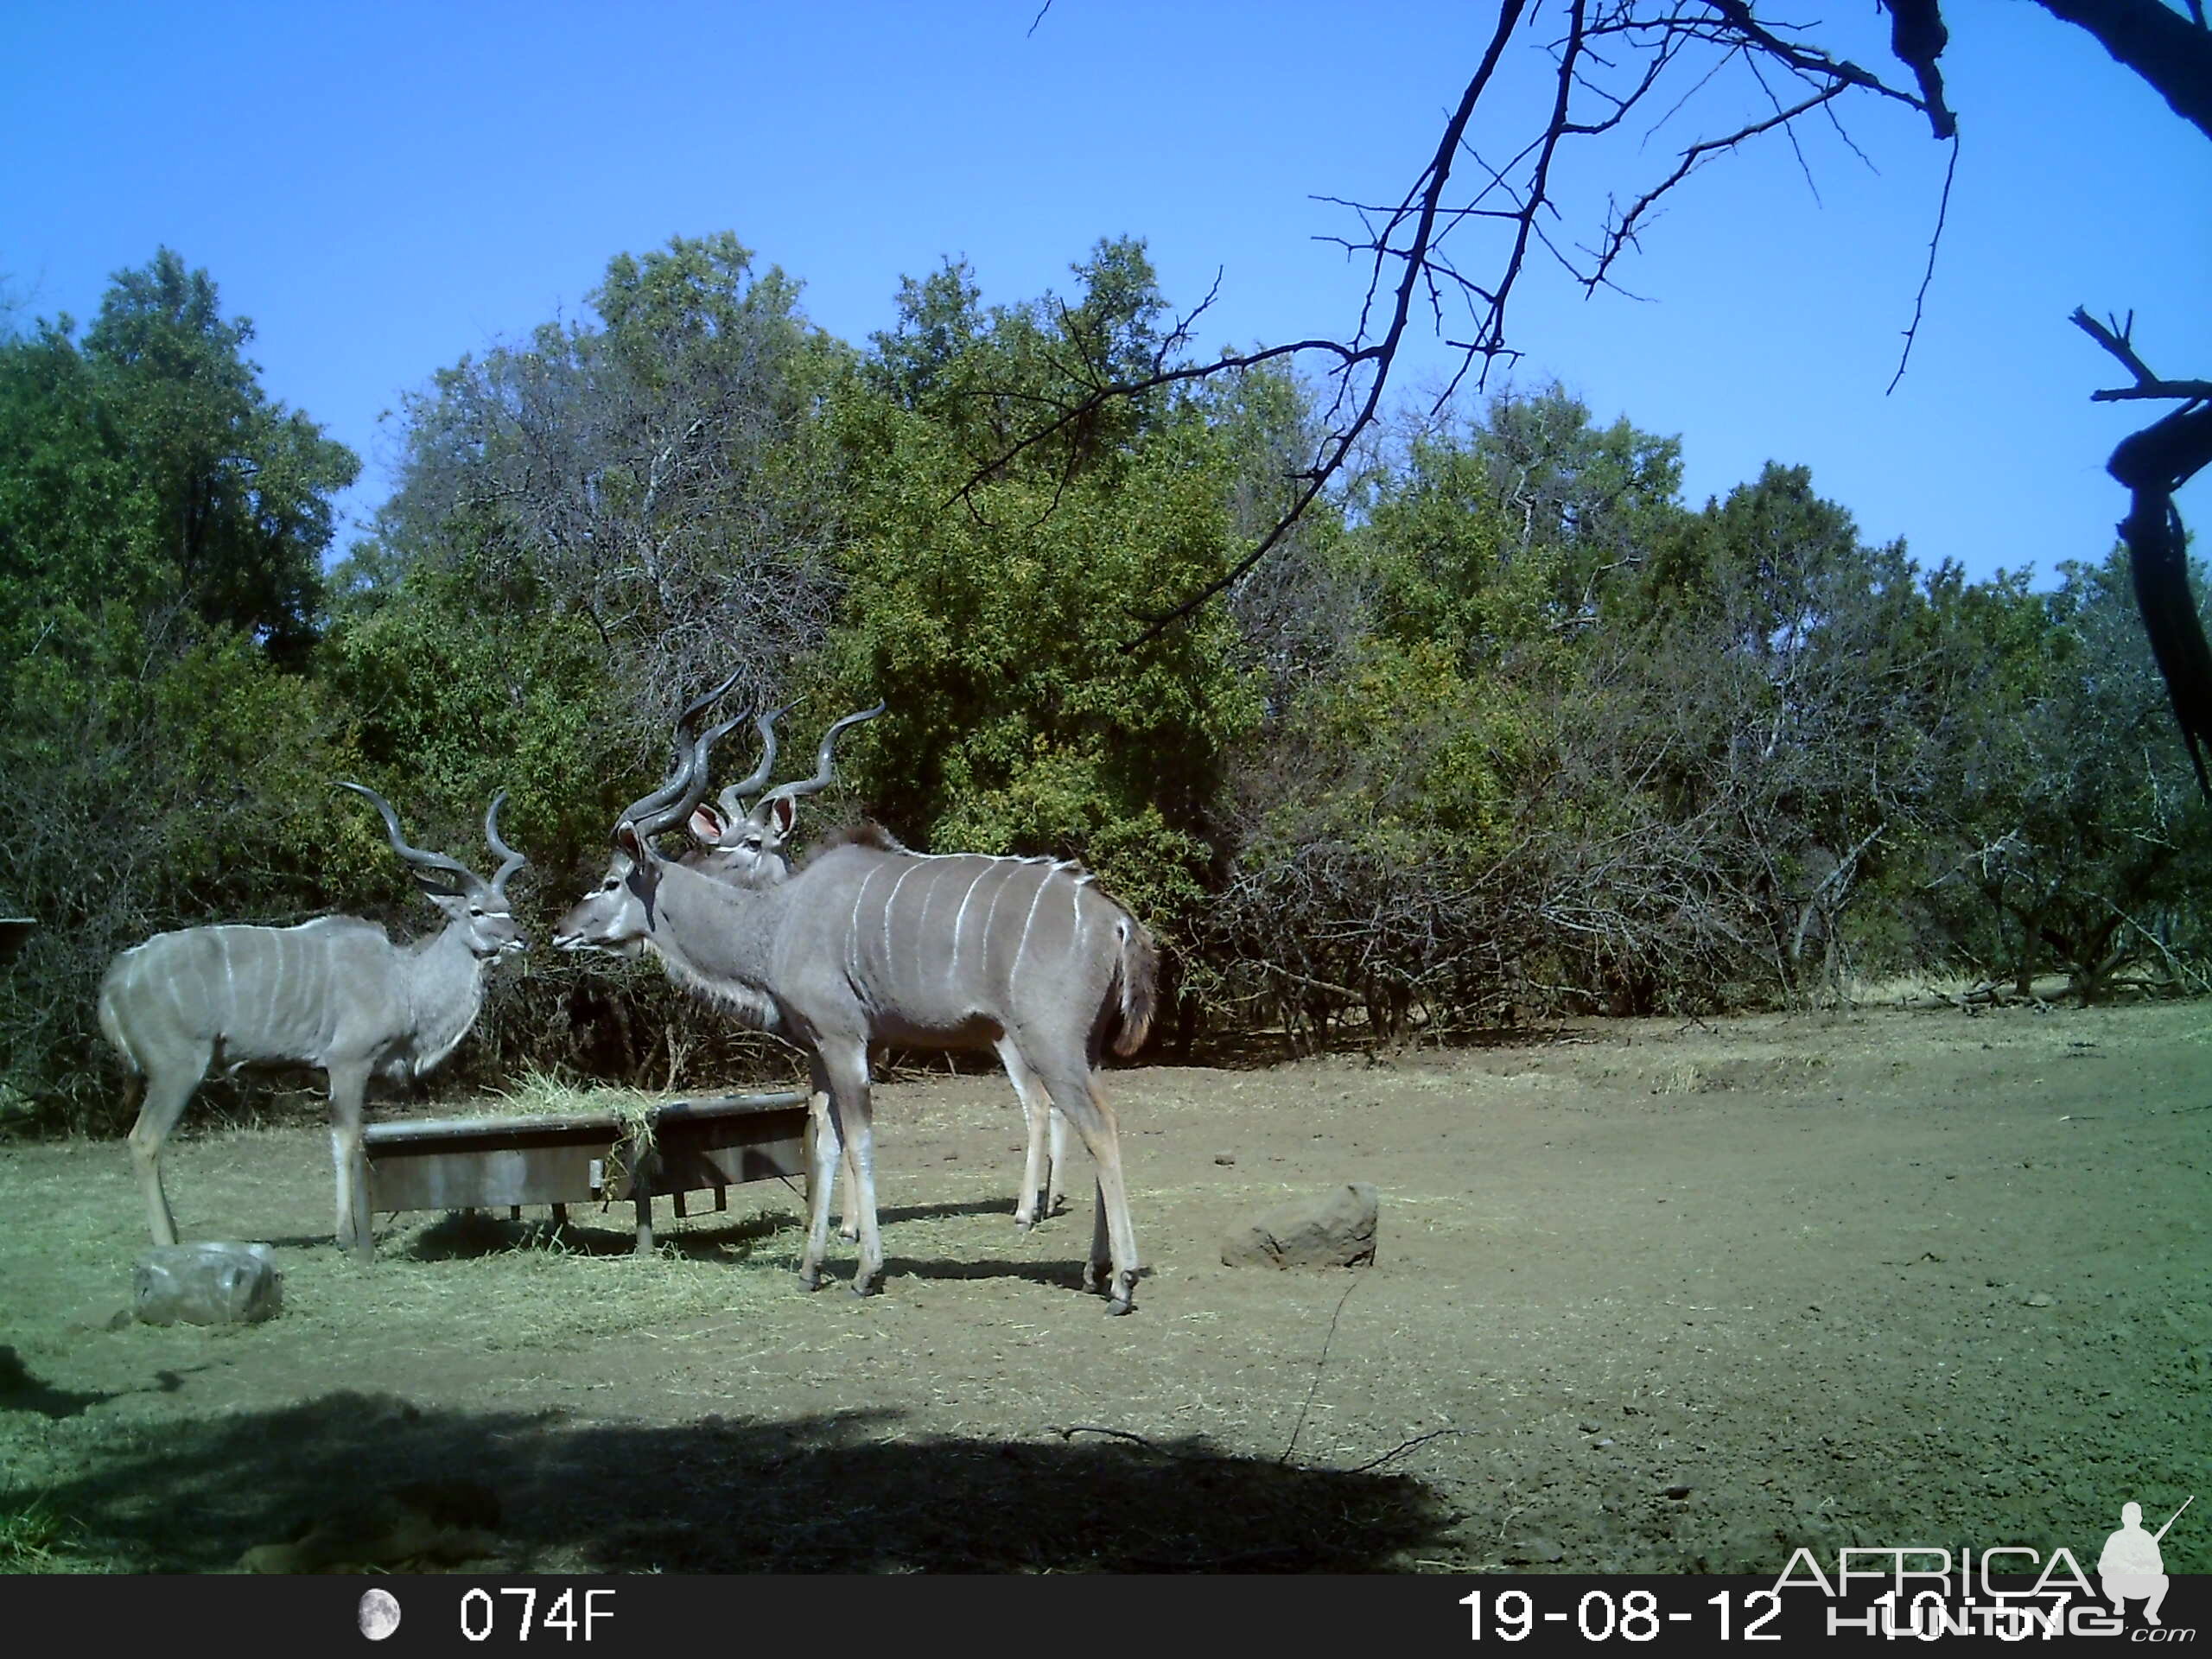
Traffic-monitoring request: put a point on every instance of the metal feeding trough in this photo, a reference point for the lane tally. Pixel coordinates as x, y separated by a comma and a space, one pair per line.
686, 1146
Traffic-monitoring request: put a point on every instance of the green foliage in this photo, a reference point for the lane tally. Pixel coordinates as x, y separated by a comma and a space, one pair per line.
149, 463
161, 527
1000, 617
1501, 537
2077, 840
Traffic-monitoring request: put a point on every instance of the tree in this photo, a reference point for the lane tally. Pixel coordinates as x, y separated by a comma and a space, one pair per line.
1751, 79
1403, 825
163, 752
2072, 838
648, 476
987, 611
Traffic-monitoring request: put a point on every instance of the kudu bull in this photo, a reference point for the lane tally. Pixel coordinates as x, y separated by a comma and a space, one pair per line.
871, 943
745, 846
334, 993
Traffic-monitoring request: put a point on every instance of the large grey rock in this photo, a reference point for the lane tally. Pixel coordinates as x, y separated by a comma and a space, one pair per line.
207, 1283
1335, 1228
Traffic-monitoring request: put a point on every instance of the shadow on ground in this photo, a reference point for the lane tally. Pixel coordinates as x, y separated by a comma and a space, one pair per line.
460, 1237
596, 1231
837, 1491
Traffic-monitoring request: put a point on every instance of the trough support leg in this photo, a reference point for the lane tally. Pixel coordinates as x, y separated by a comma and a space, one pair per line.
560, 1215
365, 1246
677, 1197
722, 1197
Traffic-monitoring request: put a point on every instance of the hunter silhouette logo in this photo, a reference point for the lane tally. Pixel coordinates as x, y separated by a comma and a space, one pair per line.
2130, 1567
1931, 1592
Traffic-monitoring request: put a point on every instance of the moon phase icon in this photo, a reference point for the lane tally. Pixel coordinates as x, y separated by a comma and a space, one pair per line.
379, 1614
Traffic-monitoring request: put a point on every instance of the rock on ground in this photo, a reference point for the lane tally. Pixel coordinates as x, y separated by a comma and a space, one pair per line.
1335, 1228
207, 1283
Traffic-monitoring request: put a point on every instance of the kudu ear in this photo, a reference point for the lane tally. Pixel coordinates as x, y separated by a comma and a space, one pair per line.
708, 827
454, 903
628, 839
782, 814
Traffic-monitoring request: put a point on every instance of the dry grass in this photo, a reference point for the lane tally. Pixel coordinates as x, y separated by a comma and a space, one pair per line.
33, 1538
540, 1094
1923, 987
515, 1286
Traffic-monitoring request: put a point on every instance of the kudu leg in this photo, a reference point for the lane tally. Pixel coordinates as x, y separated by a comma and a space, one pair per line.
348, 1089
1057, 1199
827, 1161
851, 1111
167, 1092
1036, 1108
1102, 1240
1113, 1238
848, 1223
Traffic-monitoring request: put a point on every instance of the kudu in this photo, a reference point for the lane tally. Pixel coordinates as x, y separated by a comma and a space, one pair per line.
869, 943
745, 846
334, 993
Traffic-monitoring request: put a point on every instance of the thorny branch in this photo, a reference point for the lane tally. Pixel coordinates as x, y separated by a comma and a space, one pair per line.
1676, 49
1421, 208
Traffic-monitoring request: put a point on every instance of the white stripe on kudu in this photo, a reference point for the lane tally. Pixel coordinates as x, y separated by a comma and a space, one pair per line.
1028, 922
890, 960
1005, 867
952, 962
853, 930
921, 925
230, 976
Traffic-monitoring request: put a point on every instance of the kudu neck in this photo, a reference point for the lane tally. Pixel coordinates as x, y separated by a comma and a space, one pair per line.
714, 927
446, 987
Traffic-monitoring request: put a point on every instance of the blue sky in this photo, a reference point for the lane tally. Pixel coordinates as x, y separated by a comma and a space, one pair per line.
383, 189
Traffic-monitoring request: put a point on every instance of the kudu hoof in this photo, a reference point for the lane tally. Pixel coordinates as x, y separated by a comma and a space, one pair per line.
1117, 1306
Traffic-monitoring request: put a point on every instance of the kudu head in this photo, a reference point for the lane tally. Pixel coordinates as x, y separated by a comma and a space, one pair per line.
746, 846
617, 914
478, 907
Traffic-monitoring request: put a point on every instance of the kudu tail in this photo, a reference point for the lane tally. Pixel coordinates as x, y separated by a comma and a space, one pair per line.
1136, 972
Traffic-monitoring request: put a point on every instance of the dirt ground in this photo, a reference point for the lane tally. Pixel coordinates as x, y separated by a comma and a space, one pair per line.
1650, 1297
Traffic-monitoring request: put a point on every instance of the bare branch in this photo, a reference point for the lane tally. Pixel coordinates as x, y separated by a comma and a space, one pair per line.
1623, 235
2116, 338
1337, 445
1611, 58
1920, 300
